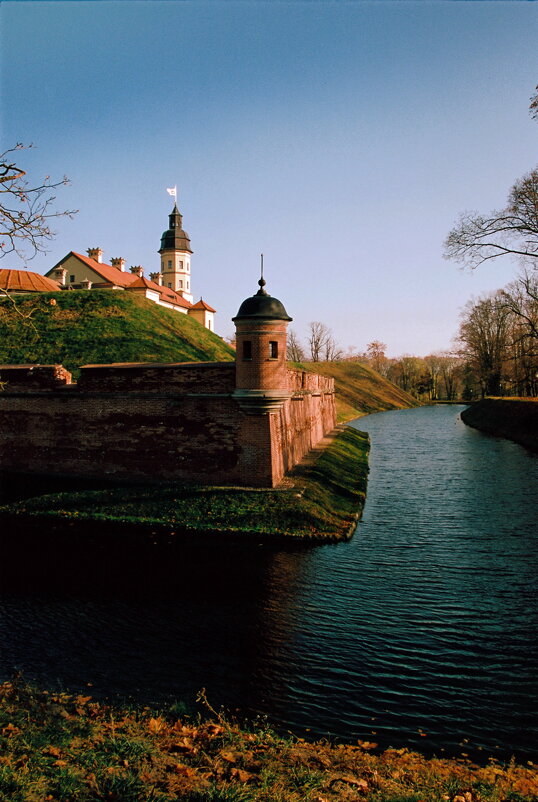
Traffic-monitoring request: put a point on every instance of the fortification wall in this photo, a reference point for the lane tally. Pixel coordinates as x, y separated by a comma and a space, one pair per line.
155, 422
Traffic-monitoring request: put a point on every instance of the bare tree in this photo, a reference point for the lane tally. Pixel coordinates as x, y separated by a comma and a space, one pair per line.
484, 335
331, 350
321, 342
26, 208
375, 352
512, 231
317, 337
450, 368
294, 349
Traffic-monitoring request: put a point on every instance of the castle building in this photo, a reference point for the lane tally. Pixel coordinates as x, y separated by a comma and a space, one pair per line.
169, 287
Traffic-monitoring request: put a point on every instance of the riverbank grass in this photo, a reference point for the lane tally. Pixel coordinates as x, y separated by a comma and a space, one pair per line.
321, 499
56, 747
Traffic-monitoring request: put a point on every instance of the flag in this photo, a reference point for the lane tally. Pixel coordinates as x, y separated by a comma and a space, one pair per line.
172, 191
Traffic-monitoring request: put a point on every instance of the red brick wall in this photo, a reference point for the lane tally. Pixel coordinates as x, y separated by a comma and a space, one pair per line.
155, 422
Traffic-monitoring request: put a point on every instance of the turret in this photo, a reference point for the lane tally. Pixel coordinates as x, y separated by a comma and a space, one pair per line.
176, 253
261, 383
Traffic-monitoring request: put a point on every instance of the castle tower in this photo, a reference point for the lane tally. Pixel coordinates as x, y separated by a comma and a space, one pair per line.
176, 253
261, 378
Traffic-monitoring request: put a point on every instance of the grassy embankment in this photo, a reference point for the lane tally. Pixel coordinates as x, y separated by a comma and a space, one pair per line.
321, 499
102, 326
359, 389
62, 748
513, 418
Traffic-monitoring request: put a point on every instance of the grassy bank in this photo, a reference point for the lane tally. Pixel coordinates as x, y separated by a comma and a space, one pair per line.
513, 418
319, 500
360, 390
62, 748
101, 326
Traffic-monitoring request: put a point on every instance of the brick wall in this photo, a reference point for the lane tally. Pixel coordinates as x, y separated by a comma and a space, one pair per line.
151, 422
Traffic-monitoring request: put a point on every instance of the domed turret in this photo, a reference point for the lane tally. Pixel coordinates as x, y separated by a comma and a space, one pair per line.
262, 305
261, 377
175, 238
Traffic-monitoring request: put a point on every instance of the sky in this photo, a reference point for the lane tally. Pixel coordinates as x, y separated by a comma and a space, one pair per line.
340, 139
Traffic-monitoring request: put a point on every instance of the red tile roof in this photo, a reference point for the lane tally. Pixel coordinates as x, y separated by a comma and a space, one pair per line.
26, 281
202, 305
167, 294
111, 274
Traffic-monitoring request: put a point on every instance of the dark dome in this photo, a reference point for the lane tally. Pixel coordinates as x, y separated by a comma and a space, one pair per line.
175, 238
262, 305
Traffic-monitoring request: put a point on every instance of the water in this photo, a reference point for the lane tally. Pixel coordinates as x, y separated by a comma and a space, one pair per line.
419, 632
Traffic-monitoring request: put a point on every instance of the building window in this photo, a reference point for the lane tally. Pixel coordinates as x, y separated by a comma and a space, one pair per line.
72, 279
273, 349
247, 349
209, 325
169, 285
188, 267
187, 285
169, 264
180, 284
180, 265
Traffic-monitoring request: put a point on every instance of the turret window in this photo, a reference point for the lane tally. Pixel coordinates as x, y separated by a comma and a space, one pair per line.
169, 264
180, 284
247, 349
180, 265
273, 349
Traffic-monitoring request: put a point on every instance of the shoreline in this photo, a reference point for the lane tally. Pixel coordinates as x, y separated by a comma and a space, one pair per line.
321, 500
515, 419
67, 746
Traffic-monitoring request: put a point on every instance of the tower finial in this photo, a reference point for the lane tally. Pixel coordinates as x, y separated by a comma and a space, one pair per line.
261, 282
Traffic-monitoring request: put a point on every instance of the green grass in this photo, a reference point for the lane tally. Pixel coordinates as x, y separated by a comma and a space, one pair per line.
59, 747
102, 326
319, 500
359, 389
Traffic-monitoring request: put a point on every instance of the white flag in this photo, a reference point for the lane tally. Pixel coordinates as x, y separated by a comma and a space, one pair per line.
172, 191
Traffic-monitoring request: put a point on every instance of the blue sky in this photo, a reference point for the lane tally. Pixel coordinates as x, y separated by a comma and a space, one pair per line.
341, 139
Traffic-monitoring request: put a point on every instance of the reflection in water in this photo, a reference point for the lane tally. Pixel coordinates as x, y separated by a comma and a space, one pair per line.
424, 623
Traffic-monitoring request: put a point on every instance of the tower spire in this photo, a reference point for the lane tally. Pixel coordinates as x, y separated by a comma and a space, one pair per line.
262, 281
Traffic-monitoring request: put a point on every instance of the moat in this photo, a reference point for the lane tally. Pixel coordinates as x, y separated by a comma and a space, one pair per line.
419, 632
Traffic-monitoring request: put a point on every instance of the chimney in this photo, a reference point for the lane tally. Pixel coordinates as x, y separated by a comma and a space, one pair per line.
86, 284
138, 270
95, 253
59, 274
118, 262
157, 278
